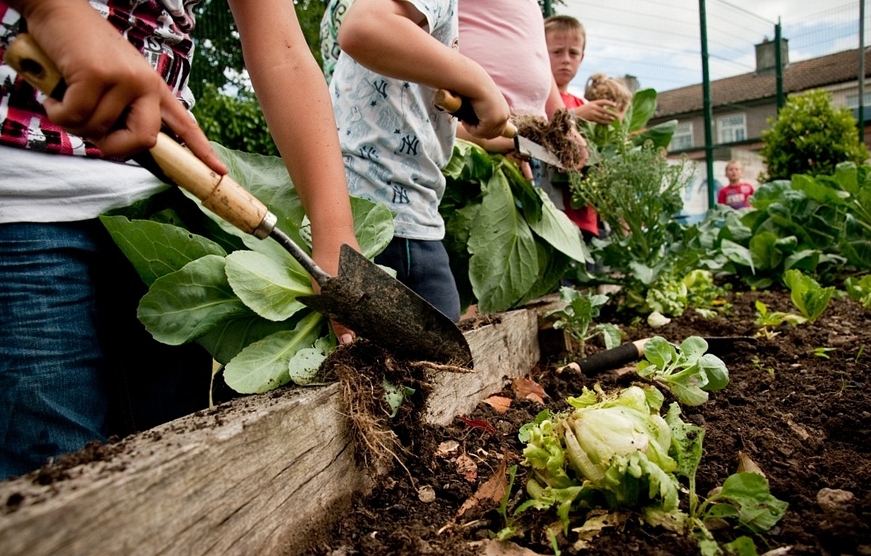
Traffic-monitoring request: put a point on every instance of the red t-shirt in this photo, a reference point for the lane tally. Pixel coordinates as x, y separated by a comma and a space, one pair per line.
584, 218
736, 196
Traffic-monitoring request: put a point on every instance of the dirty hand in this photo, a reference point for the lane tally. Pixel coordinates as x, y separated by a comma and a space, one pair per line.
599, 111
492, 112
114, 97
575, 136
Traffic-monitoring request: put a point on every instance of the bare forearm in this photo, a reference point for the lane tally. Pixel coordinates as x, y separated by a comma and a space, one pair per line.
296, 103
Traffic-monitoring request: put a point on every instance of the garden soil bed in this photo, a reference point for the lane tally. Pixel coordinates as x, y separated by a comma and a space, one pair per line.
804, 418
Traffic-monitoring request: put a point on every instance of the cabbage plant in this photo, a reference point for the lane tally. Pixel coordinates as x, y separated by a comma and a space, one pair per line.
611, 450
232, 293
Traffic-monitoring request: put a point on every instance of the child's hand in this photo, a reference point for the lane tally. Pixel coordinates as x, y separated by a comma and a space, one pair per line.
599, 111
492, 111
113, 97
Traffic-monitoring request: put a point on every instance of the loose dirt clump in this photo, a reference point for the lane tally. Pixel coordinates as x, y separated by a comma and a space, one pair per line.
559, 135
800, 412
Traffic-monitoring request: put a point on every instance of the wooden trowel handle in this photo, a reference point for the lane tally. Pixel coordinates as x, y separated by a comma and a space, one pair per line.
220, 194
459, 107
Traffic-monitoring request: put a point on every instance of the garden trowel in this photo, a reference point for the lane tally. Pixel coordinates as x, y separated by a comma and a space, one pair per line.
362, 296
462, 110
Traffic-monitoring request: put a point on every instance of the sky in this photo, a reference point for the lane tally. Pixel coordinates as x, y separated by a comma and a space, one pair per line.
660, 42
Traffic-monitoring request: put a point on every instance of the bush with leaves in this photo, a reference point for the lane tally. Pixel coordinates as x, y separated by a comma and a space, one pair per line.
811, 137
237, 122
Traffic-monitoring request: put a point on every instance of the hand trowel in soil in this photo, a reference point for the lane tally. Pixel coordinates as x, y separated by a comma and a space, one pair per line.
362, 296
455, 105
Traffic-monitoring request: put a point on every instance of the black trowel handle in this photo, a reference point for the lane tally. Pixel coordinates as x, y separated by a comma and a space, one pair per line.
171, 162
612, 358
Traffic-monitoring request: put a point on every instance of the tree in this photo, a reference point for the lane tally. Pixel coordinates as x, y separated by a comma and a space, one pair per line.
810, 137
226, 107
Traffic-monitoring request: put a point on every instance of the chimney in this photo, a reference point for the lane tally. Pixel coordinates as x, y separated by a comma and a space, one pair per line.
765, 55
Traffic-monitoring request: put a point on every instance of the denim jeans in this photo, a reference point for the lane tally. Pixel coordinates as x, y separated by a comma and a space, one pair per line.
75, 364
424, 267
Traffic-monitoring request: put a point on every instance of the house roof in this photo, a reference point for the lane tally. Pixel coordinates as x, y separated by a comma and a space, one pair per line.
832, 69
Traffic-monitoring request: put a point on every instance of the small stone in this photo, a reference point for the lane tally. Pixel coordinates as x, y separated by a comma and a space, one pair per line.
830, 499
426, 494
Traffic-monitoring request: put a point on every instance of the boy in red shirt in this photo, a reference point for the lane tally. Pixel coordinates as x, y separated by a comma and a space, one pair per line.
737, 193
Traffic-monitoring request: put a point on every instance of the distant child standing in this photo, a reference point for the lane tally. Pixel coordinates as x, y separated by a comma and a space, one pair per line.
395, 55
737, 193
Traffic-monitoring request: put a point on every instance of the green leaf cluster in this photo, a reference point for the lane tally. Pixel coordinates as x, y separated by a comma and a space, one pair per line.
820, 225
859, 289
234, 294
807, 295
810, 137
578, 314
688, 372
507, 241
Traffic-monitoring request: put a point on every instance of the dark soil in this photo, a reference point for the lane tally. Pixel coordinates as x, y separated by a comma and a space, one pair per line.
804, 418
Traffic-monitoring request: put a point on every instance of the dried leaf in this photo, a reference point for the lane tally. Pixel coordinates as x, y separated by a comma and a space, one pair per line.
499, 403
747, 465
490, 494
493, 547
478, 424
529, 389
447, 448
467, 467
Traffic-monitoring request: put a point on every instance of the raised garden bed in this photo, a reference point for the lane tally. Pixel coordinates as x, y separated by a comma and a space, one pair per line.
257, 475
276, 473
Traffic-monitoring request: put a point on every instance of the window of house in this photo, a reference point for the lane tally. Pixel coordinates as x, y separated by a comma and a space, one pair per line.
853, 100
731, 128
682, 138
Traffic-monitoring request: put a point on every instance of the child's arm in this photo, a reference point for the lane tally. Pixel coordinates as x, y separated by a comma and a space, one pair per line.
387, 36
293, 94
107, 78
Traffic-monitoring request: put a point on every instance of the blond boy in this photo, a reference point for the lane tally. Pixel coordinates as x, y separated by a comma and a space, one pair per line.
566, 41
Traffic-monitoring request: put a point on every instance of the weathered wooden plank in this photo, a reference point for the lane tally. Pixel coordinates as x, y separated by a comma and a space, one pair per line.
243, 479
502, 351
259, 475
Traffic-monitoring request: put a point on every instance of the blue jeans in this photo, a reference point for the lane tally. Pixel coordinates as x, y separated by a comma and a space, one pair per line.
75, 364
424, 267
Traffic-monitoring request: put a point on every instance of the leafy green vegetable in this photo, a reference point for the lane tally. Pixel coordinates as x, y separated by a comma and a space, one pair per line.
859, 289
496, 219
577, 316
612, 448
688, 372
235, 294
807, 294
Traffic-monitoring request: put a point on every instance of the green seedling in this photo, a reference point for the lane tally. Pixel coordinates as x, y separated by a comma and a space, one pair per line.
807, 295
767, 319
578, 315
823, 352
688, 372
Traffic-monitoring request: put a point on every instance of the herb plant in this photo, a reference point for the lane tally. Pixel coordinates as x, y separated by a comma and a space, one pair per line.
578, 315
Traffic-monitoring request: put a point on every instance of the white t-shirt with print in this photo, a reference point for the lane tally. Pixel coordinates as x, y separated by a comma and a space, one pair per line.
394, 141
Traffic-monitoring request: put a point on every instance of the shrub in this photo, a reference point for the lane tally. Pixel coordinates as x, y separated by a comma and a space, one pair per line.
811, 137
236, 122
